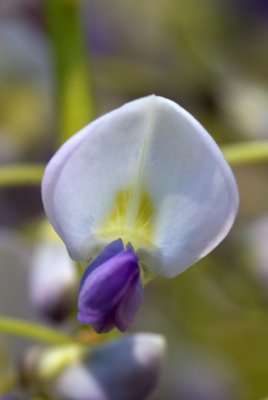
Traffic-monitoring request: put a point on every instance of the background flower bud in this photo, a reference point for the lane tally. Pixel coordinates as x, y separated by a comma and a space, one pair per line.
53, 279
125, 369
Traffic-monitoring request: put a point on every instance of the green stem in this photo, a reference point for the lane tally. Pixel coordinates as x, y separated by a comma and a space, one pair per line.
76, 106
19, 175
246, 153
33, 331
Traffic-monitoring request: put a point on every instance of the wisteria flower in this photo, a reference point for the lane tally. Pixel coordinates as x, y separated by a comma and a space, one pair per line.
145, 187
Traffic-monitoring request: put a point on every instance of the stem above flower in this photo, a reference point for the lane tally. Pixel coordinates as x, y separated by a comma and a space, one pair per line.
21, 175
246, 153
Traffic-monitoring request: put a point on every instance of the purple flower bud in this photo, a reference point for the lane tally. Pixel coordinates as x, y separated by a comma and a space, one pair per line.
125, 369
111, 289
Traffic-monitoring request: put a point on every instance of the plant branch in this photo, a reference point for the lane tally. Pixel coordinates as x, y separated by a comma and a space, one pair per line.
32, 330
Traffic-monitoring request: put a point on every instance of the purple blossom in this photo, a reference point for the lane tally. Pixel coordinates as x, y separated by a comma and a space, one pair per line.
111, 289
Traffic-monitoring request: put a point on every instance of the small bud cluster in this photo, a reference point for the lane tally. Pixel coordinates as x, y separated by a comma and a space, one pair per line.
126, 369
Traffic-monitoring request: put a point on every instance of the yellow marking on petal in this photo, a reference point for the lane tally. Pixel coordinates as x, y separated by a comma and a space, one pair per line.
140, 231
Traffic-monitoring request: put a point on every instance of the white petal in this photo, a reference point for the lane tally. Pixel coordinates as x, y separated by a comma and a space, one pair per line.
193, 190
150, 145
82, 179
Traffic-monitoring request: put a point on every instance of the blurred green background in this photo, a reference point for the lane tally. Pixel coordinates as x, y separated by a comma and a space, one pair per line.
62, 63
